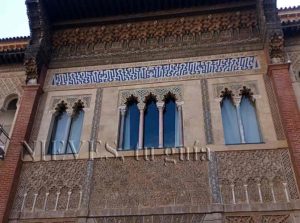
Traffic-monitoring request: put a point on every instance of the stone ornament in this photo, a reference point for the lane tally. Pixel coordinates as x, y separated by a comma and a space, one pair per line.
276, 50
71, 100
141, 94
144, 31
31, 71
158, 72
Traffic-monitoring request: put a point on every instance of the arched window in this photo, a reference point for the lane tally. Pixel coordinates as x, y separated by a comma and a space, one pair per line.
249, 121
7, 117
131, 127
230, 121
240, 122
170, 123
75, 132
59, 133
151, 123
66, 130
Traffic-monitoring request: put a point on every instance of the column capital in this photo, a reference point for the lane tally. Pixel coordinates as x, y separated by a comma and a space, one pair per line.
160, 105
141, 106
123, 110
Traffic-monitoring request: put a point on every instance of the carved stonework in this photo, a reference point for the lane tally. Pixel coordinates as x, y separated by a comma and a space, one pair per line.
110, 41
182, 218
50, 186
235, 89
31, 69
162, 29
10, 86
256, 169
276, 45
159, 93
259, 219
71, 100
132, 183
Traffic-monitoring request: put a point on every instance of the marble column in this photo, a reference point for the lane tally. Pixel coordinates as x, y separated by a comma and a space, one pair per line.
160, 106
180, 124
141, 126
122, 123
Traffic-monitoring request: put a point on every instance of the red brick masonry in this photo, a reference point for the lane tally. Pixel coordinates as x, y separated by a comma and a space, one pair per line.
11, 166
288, 108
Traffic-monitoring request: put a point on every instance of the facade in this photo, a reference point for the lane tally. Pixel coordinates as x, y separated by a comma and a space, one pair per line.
151, 111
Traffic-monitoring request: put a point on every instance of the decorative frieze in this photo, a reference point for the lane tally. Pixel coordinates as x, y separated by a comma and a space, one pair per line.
266, 174
178, 70
159, 29
160, 93
70, 100
51, 186
235, 88
182, 218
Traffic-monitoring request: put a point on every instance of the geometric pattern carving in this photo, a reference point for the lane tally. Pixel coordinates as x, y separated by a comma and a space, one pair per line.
158, 72
183, 218
123, 184
276, 219
239, 219
258, 219
50, 186
71, 100
10, 86
236, 88
274, 108
255, 169
142, 93
206, 112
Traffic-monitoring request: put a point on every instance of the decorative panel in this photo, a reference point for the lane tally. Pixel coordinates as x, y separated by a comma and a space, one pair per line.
256, 170
179, 70
164, 181
51, 186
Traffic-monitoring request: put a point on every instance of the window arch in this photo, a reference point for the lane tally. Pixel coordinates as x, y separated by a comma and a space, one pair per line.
66, 130
150, 118
230, 120
170, 122
7, 118
75, 128
240, 123
151, 123
131, 127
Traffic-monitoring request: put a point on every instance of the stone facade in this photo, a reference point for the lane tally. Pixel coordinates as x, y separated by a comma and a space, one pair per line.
196, 56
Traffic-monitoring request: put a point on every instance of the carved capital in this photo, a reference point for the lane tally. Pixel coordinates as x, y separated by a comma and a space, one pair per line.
276, 48
31, 71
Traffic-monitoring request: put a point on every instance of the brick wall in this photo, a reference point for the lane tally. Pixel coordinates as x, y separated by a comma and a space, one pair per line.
287, 103
11, 166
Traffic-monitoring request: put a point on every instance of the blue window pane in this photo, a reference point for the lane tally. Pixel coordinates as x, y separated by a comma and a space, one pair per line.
59, 133
75, 133
170, 123
131, 128
230, 122
249, 120
151, 126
